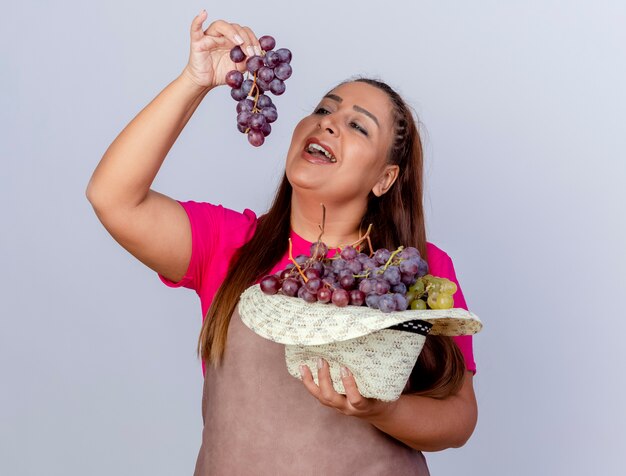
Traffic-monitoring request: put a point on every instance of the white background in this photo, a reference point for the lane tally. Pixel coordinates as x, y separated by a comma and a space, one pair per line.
523, 111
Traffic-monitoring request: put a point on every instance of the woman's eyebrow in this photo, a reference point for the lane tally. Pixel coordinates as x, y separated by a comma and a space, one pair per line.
367, 113
334, 97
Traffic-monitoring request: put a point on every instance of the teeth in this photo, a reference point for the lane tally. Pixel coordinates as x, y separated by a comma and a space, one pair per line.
319, 148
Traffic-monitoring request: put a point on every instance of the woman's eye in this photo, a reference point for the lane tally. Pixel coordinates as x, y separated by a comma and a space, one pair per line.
358, 128
322, 110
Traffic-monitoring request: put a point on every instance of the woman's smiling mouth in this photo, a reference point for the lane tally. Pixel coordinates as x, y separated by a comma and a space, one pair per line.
317, 152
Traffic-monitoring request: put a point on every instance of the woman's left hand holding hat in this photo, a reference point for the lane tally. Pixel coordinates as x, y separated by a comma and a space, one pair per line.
352, 403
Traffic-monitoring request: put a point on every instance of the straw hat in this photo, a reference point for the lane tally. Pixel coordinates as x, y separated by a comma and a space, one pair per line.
380, 349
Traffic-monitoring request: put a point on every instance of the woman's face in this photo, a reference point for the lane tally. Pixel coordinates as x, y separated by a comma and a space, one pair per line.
353, 124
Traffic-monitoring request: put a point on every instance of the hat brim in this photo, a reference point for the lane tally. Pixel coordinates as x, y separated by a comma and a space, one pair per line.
289, 320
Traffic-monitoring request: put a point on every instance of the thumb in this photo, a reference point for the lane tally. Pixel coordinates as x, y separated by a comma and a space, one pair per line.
196, 25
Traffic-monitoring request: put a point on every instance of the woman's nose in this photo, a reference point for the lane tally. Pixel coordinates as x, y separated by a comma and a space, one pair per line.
327, 124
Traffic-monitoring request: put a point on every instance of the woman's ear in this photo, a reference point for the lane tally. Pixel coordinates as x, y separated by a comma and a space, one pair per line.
388, 177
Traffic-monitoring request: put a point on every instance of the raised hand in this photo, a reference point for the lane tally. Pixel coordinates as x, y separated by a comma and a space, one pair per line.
209, 55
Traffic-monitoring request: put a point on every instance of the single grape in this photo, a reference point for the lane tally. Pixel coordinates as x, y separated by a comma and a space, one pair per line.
237, 55
357, 298
283, 71
418, 288
319, 249
410, 296
267, 42
290, 287
432, 300
265, 74
367, 285
241, 128
369, 264
266, 129
340, 298
343, 272
381, 287
234, 79
346, 281
418, 305
317, 265
434, 287
257, 121
284, 55
378, 271
305, 294
392, 274
262, 85
284, 274
264, 101
245, 105
254, 64
409, 252
399, 288
382, 256
301, 259
324, 295
362, 257
410, 265
313, 285
270, 113
243, 118
387, 303
246, 86
311, 273
354, 266
270, 284
238, 94
401, 302
271, 59
349, 253
338, 264
256, 138
408, 279
277, 87
371, 300
445, 301
423, 268
449, 287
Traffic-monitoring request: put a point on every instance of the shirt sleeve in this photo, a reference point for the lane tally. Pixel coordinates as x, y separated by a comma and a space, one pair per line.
444, 268
203, 218
216, 233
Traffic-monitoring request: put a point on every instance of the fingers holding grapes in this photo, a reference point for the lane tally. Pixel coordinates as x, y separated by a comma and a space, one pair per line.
209, 58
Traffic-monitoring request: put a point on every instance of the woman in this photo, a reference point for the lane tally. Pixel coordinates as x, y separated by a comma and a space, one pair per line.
258, 419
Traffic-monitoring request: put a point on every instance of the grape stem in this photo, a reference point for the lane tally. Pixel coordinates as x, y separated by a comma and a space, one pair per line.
295, 262
256, 96
400, 248
319, 238
363, 238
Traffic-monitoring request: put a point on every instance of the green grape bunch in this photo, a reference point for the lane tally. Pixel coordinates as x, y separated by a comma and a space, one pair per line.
431, 292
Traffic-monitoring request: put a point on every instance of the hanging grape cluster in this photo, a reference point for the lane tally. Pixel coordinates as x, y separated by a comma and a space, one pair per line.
265, 73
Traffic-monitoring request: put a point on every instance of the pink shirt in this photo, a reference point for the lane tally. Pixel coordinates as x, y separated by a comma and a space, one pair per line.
217, 232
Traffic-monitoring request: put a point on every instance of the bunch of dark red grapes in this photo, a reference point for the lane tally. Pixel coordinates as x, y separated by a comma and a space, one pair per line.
385, 280
266, 73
